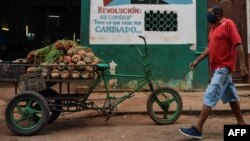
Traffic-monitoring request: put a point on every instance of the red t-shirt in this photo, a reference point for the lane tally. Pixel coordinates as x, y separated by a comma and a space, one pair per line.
222, 42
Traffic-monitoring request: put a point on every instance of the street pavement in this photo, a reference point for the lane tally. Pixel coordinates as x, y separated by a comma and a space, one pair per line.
192, 100
192, 103
131, 122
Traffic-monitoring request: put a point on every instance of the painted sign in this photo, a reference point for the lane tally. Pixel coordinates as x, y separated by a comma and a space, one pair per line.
160, 21
119, 2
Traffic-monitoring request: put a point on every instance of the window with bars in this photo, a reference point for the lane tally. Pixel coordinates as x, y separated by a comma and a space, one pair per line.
161, 21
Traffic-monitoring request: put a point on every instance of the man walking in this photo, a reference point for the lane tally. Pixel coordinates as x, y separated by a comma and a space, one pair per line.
223, 42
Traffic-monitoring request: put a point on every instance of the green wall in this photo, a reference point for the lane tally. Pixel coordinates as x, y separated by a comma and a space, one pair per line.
170, 63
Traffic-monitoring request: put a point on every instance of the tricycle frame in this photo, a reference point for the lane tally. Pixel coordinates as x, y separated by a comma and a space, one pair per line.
161, 97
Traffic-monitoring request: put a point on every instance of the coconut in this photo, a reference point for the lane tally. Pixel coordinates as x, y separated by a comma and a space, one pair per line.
67, 59
75, 58
80, 65
62, 66
72, 51
71, 66
31, 70
68, 44
65, 74
60, 59
89, 54
39, 69
59, 44
44, 73
87, 49
55, 74
85, 75
31, 56
89, 68
54, 66
20, 60
75, 74
88, 75
81, 52
96, 59
87, 60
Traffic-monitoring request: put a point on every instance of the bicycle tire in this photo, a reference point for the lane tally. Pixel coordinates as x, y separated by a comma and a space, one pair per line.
19, 113
164, 106
54, 114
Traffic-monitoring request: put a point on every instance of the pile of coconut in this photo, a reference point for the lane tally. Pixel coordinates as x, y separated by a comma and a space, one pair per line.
65, 59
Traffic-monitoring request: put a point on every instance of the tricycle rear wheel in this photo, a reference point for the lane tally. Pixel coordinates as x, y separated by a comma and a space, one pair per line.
164, 106
54, 113
20, 111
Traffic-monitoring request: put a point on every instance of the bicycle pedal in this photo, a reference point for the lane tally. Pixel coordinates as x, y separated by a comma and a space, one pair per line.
108, 117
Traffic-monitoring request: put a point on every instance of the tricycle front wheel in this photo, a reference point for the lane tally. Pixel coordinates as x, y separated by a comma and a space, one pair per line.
164, 106
21, 111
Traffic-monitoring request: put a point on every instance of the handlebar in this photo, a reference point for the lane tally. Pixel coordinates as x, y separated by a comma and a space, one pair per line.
145, 45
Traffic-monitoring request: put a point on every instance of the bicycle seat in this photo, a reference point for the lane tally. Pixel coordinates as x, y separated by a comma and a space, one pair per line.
103, 66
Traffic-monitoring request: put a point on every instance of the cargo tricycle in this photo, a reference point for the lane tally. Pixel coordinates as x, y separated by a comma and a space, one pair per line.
36, 103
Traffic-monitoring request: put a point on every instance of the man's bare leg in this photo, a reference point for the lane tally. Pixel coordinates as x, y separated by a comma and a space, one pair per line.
235, 106
205, 112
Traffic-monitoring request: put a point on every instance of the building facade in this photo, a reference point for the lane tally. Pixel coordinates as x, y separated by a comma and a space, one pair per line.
109, 26
175, 31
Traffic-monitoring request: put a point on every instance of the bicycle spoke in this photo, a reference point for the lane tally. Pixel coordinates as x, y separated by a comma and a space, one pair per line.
19, 108
23, 117
35, 111
165, 113
169, 101
31, 122
164, 106
19, 120
29, 103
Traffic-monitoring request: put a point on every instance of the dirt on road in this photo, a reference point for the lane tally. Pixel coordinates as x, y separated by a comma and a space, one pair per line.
87, 126
129, 127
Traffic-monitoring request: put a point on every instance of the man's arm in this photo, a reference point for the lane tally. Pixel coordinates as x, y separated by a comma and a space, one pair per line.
203, 55
240, 56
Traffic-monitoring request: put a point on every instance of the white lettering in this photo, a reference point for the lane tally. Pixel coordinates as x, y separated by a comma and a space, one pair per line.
231, 133
236, 132
115, 29
243, 131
